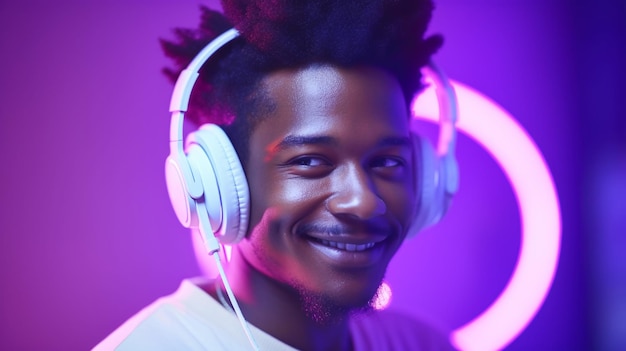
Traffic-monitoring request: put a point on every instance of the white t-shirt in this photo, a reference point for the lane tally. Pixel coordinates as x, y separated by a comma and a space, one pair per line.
190, 319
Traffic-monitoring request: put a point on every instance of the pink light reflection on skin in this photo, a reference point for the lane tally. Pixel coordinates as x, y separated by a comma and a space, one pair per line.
520, 159
383, 297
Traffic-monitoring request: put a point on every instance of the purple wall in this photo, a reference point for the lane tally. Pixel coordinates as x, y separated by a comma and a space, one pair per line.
87, 236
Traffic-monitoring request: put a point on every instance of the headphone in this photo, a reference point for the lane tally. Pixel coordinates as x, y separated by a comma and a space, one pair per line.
208, 188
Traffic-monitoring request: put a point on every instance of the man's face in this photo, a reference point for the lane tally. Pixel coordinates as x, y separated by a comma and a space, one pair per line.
331, 182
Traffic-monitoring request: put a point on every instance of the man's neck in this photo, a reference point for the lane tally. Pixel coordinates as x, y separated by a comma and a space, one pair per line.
281, 311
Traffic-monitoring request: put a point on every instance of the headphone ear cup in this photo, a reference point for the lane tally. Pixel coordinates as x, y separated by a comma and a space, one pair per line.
202, 168
177, 188
427, 185
226, 194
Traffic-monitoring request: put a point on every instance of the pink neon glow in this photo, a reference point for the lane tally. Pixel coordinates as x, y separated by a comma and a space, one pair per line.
383, 297
520, 159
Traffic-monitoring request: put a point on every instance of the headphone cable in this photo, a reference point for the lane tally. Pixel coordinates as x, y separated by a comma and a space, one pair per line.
213, 247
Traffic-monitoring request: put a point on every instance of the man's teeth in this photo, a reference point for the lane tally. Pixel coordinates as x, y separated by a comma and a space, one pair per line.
348, 247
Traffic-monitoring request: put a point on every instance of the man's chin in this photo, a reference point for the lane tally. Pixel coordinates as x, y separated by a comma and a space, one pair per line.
326, 311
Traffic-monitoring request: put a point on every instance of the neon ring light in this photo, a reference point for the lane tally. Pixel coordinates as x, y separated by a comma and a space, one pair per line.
520, 159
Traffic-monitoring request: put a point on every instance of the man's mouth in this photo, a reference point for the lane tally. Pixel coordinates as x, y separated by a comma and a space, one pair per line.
350, 251
347, 246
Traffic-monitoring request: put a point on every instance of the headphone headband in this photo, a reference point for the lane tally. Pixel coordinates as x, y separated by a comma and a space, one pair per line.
179, 103
182, 90
448, 116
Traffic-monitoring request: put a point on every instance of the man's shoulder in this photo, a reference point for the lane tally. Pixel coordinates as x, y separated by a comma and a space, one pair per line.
154, 327
188, 319
172, 322
394, 330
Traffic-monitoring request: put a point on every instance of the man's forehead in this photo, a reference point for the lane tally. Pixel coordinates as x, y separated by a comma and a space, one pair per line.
321, 77
319, 85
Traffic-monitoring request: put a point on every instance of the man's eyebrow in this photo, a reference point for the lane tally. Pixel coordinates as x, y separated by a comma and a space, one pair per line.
301, 140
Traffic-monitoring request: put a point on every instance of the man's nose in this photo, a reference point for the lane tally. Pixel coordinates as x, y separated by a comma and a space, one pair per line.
355, 195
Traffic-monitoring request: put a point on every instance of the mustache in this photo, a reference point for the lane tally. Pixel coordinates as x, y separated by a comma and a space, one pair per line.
338, 229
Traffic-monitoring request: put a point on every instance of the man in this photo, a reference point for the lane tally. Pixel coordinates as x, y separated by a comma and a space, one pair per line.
314, 97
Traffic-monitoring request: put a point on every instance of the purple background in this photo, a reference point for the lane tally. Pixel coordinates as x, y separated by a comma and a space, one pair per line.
87, 235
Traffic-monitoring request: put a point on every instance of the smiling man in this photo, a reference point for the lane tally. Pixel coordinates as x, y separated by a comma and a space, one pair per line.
331, 182
314, 96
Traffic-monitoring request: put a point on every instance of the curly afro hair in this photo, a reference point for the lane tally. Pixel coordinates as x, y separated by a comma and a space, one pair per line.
287, 34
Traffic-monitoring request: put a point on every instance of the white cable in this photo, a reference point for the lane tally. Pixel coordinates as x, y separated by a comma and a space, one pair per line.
213, 247
233, 301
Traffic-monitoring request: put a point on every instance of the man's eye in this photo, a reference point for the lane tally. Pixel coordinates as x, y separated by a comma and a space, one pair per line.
309, 161
385, 162
309, 167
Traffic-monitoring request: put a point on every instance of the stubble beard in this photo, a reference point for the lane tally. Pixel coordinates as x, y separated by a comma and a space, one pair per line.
324, 311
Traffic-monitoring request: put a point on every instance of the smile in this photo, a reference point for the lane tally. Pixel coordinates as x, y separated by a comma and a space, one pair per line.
361, 254
347, 246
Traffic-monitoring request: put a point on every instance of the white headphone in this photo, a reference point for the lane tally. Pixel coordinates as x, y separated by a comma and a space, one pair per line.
207, 185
